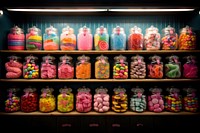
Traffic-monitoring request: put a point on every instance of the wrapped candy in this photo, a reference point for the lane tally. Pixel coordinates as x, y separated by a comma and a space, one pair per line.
120, 67
12, 103
83, 67
155, 68
101, 39
102, 67
190, 68
84, 39
173, 67
118, 39
48, 67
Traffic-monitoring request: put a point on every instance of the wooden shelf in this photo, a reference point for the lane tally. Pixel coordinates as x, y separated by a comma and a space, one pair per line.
100, 52
99, 80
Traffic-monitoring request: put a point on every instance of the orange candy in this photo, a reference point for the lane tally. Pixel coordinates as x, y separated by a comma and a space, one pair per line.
83, 71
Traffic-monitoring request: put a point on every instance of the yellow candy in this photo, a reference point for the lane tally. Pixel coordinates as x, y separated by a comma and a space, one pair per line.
29, 65
26, 76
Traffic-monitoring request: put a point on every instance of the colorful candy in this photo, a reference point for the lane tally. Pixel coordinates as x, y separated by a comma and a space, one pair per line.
118, 39
101, 39
173, 67
190, 100
155, 68
12, 103
120, 68
102, 67
135, 39
48, 67
190, 68
83, 67
84, 39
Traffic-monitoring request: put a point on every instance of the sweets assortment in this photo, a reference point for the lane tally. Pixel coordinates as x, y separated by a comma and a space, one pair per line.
120, 67
173, 67
190, 68
102, 67
190, 100
135, 39
12, 103
118, 39
101, 39
83, 67
155, 68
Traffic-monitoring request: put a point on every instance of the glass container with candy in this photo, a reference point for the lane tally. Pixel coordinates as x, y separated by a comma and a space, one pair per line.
101, 39
135, 39
102, 67
120, 67
155, 67
190, 67
83, 67
173, 67
48, 67
118, 39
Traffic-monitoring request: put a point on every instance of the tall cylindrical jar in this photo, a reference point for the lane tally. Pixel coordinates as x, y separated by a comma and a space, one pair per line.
155, 67
173, 67
101, 39
83, 67
135, 39
190, 67
12, 103
118, 39
102, 67
120, 67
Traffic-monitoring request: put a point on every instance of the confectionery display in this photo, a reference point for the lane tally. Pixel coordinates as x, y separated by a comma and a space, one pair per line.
155, 67
120, 67
135, 39
83, 67
12, 103
101, 39
190, 67
102, 67
118, 39
173, 67
84, 39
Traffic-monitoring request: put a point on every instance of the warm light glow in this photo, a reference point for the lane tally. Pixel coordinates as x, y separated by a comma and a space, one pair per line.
150, 10
1, 12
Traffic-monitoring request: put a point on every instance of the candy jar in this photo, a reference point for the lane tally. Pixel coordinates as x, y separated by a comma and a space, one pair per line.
137, 100
155, 67
173, 67
187, 39
48, 67
173, 101
83, 67
137, 67
101, 100
155, 100
65, 100
30, 67
51, 39
34, 39
102, 67
190, 100
12, 103
84, 39
65, 68
120, 67
135, 39
67, 39
13, 67
16, 39
119, 100
190, 68
101, 39
169, 39
29, 100
152, 39
118, 39
83, 100
47, 101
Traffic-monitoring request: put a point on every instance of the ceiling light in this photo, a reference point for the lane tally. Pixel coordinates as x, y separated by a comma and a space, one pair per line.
1, 12
150, 10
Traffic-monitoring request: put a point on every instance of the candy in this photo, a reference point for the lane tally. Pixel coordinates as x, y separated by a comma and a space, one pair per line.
135, 39
118, 39
190, 68
12, 103
102, 67
155, 69
84, 39
83, 68
101, 39
173, 68
48, 68
190, 100
120, 68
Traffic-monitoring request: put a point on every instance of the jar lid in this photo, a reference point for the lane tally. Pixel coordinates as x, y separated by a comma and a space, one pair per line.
120, 57
66, 57
84, 29
16, 30
101, 29
51, 30
34, 29
102, 57
68, 30
136, 30
31, 57
83, 57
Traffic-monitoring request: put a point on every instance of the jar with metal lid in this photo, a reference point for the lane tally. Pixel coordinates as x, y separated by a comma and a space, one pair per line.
120, 67
48, 67
101, 39
102, 67
83, 67
135, 39
118, 39
16, 39
155, 67
190, 67
173, 67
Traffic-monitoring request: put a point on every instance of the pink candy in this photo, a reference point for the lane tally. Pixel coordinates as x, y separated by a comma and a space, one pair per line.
83, 102
65, 71
48, 71
155, 103
190, 71
101, 102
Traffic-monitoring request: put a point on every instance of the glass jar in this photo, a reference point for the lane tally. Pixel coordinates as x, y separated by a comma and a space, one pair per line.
34, 39
155, 100
169, 39
102, 67
135, 39
65, 100
47, 101
84, 39
137, 67
118, 39
101, 39
137, 100
155, 68
29, 100
83, 67
51, 39
187, 39
190, 100
65, 68
173, 101
120, 67
173, 67
152, 39
12, 103
16, 39
119, 100
48, 67
83, 100
190, 68
67, 39
30, 67
13, 67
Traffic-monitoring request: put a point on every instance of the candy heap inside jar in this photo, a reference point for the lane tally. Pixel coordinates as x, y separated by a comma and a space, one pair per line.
30, 68
12, 103
83, 68
190, 100
190, 68
101, 39
135, 39
173, 67
102, 68
118, 39
120, 68
155, 68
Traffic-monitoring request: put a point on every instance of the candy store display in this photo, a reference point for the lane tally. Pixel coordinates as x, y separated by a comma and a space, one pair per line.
16, 39
190, 100
101, 39
173, 67
187, 39
155, 67
137, 67
102, 67
84, 39
83, 100
173, 100
83, 67
120, 67
67, 39
152, 39
29, 100
101, 100
169, 39
65, 100
51, 39
119, 100
13, 67
65, 68
48, 67
156, 100
12, 103
31, 67
138, 100
135, 39
47, 101
190, 67
34, 39
118, 39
